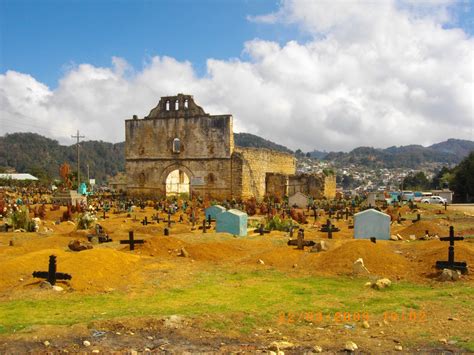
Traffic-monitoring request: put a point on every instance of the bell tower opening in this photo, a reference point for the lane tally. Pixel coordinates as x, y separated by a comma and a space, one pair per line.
177, 182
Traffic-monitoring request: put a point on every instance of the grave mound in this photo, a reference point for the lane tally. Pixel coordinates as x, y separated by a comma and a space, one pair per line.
91, 270
379, 258
419, 228
209, 251
428, 252
25, 244
160, 246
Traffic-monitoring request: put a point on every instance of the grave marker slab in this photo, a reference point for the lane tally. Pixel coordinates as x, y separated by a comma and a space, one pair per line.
371, 223
233, 222
213, 211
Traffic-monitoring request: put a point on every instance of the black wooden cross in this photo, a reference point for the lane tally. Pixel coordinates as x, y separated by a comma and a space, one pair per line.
329, 227
418, 218
51, 275
169, 220
330, 231
145, 221
451, 264
132, 241
261, 230
330, 212
300, 242
157, 218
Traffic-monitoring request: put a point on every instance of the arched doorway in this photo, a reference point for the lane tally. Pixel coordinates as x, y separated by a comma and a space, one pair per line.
177, 182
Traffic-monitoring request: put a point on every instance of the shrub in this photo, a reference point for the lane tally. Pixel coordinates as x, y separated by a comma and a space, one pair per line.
85, 220
251, 206
276, 223
20, 219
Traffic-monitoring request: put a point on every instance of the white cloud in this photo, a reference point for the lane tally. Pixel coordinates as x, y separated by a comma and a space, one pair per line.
374, 73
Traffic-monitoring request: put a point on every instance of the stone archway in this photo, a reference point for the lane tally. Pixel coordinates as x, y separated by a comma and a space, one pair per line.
177, 183
176, 180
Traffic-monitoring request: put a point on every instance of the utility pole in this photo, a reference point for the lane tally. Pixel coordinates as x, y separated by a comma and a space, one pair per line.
77, 136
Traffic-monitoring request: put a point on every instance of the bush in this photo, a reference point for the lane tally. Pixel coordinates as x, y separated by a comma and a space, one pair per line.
20, 219
251, 206
276, 223
85, 220
298, 216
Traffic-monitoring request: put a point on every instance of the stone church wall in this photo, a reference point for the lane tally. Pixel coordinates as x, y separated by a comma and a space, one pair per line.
277, 184
257, 163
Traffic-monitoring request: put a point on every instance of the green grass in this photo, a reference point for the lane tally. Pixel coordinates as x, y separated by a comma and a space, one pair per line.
235, 301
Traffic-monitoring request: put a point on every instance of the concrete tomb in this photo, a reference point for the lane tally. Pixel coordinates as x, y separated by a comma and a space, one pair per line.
371, 223
213, 211
233, 222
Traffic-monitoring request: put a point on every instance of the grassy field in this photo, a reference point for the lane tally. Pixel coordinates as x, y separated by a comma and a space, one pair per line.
237, 303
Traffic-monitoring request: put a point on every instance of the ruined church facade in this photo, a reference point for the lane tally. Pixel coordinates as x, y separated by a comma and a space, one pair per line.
179, 148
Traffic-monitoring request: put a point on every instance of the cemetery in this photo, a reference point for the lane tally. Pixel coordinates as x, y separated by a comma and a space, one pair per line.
176, 275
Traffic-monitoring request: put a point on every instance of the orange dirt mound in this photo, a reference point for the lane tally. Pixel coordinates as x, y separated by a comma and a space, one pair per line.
419, 228
91, 270
379, 258
209, 251
24, 244
428, 252
161, 246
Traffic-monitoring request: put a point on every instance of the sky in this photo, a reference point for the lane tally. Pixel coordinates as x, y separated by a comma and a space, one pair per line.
308, 74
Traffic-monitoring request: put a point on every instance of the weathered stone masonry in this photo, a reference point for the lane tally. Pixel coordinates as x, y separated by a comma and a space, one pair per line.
178, 135
205, 152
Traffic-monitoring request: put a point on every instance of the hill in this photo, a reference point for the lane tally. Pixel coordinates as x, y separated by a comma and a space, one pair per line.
251, 140
455, 146
451, 151
41, 156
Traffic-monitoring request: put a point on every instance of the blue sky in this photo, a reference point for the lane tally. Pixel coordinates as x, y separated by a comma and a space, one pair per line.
44, 38
309, 74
